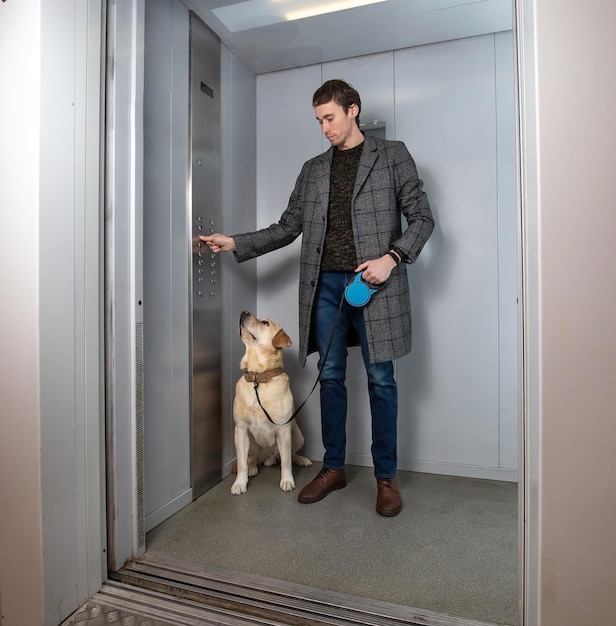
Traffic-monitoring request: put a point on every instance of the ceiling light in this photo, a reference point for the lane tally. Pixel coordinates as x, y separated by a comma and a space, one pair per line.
256, 13
330, 7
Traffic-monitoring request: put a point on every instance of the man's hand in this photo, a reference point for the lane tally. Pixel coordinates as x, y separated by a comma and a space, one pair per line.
218, 242
378, 270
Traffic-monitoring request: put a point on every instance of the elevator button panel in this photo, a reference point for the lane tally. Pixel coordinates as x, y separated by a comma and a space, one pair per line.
206, 262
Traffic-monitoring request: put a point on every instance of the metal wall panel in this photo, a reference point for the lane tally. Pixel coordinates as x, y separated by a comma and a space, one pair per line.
239, 188
182, 301
166, 262
458, 410
207, 302
446, 113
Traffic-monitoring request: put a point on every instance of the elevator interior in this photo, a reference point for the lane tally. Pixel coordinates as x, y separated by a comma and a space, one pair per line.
241, 100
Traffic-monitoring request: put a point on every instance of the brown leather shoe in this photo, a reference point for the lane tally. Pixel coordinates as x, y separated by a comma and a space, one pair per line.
388, 502
326, 480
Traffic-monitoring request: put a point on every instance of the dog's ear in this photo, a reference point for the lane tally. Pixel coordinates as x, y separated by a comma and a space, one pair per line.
281, 339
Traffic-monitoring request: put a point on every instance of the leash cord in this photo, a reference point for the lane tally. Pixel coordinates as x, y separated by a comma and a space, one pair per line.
329, 345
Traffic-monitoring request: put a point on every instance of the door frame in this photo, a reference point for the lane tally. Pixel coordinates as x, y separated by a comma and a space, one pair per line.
123, 289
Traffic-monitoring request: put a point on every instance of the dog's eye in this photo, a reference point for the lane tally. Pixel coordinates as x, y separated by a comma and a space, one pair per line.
265, 322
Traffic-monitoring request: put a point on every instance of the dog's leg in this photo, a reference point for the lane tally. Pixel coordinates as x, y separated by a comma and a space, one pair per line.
283, 440
254, 457
297, 441
242, 444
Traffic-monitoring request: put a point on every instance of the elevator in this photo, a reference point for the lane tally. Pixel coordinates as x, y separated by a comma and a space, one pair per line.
182, 312
231, 168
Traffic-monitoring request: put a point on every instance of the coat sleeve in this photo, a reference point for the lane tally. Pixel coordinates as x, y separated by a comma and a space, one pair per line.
412, 203
288, 228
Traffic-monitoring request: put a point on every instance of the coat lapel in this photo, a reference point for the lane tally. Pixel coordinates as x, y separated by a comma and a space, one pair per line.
368, 158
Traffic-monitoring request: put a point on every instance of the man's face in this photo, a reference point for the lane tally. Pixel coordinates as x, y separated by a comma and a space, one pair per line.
339, 127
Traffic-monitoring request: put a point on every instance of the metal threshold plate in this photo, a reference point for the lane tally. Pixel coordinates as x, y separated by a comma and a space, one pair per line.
125, 605
259, 600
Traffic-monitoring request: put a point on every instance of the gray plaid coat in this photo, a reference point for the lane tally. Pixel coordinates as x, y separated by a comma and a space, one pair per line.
387, 185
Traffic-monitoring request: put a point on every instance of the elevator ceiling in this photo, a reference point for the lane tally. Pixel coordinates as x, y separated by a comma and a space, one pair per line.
380, 27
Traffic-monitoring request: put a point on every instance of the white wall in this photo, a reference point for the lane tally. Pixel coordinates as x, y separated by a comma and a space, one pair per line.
70, 303
52, 461
21, 524
453, 105
569, 141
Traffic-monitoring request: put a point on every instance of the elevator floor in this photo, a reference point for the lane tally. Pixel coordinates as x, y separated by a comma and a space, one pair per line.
453, 549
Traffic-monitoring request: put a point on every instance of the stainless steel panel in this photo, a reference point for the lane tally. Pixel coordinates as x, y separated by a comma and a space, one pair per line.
206, 217
167, 302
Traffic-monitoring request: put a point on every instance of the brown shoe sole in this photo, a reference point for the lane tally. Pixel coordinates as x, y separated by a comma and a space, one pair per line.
388, 512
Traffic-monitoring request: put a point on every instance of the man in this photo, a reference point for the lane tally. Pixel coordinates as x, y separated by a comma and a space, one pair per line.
347, 204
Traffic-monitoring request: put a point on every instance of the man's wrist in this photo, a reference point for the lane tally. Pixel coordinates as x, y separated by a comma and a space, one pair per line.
395, 256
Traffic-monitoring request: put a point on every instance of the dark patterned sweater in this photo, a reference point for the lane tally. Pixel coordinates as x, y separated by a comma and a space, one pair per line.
339, 249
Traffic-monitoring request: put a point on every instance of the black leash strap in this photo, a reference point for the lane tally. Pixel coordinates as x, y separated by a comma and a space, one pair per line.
329, 345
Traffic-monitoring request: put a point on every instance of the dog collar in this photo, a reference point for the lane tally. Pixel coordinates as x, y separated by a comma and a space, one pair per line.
262, 377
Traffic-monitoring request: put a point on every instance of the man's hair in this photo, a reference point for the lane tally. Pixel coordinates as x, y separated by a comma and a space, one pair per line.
341, 93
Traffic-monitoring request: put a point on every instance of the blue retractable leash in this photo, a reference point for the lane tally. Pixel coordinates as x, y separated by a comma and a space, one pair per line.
357, 293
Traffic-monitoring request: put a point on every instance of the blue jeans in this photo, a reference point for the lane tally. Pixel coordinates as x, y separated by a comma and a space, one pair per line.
382, 387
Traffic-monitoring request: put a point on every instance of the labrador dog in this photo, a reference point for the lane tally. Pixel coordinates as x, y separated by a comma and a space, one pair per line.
264, 391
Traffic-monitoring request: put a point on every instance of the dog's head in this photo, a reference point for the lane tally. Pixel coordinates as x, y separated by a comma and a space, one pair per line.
264, 340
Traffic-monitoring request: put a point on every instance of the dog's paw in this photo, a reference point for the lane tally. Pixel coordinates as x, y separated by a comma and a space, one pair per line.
253, 470
238, 487
287, 485
302, 461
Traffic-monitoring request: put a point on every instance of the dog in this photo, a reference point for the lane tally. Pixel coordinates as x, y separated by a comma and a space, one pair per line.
264, 387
